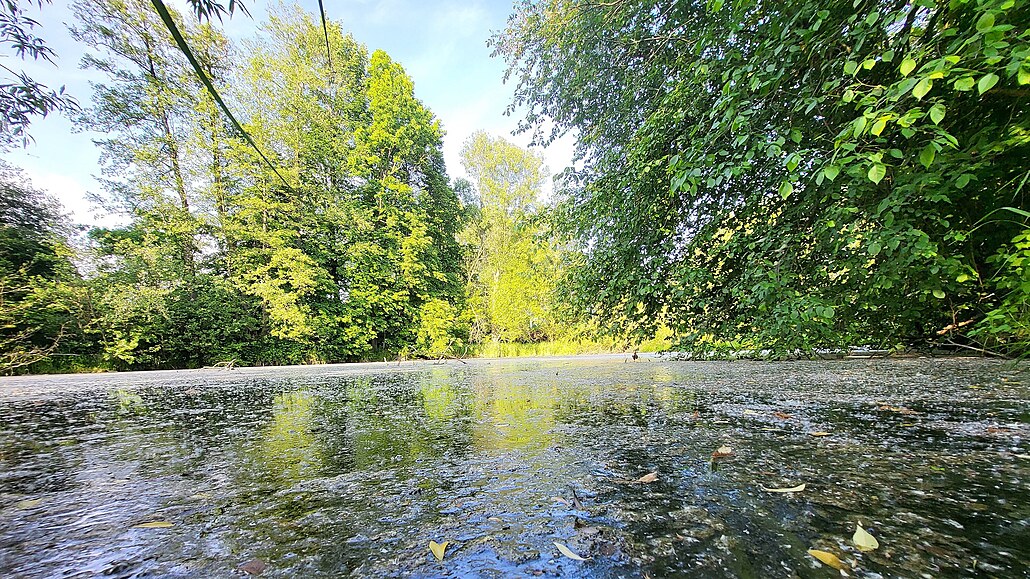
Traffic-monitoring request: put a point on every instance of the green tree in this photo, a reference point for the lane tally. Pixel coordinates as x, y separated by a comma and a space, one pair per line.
512, 264
785, 176
40, 293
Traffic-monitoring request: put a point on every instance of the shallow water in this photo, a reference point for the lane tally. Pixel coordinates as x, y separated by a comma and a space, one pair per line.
352, 470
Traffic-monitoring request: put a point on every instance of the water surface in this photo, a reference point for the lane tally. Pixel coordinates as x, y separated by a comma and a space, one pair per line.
351, 470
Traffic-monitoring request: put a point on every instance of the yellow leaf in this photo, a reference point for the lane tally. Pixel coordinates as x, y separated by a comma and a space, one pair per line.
155, 525
749, 412
568, 552
722, 451
648, 478
828, 559
796, 489
863, 540
820, 433
438, 549
28, 503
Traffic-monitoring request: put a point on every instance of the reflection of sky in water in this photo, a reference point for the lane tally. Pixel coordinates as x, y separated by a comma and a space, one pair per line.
328, 474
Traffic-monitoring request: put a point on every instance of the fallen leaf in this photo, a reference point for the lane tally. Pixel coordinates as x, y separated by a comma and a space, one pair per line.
782, 415
254, 567
438, 549
898, 409
155, 525
568, 552
28, 503
648, 478
863, 540
494, 519
819, 433
749, 412
796, 489
575, 499
722, 451
828, 559
560, 500
589, 531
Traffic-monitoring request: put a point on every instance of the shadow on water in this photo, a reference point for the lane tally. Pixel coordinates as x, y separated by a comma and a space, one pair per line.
339, 471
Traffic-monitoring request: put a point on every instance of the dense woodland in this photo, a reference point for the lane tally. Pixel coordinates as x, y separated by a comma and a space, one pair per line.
761, 176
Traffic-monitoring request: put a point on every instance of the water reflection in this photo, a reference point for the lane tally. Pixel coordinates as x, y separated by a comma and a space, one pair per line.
323, 474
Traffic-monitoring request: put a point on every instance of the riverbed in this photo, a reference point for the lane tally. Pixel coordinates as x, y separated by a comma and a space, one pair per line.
641, 468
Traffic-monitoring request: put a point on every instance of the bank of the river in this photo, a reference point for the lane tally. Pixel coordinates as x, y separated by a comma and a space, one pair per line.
649, 467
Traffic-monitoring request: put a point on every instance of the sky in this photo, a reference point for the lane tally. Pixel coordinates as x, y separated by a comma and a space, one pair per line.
440, 43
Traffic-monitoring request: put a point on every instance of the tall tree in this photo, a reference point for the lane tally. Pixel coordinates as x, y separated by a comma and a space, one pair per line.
513, 267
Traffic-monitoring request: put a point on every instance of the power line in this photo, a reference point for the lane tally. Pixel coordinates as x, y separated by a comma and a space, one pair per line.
328, 52
166, 16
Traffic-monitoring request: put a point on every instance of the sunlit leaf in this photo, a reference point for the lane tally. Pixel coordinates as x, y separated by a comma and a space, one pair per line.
926, 156
568, 552
877, 172
965, 83
987, 82
907, 66
863, 540
828, 559
796, 489
786, 188
819, 433
831, 171
155, 525
939, 294
985, 23
937, 112
254, 567
722, 451
648, 478
922, 87
438, 549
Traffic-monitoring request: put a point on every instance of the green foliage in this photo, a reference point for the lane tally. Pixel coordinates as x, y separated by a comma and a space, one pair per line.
219, 261
512, 264
782, 176
39, 291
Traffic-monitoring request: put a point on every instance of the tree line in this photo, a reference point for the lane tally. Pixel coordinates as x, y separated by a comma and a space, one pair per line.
773, 177
347, 241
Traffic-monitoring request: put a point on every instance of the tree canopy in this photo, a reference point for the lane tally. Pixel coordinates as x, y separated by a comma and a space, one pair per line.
790, 175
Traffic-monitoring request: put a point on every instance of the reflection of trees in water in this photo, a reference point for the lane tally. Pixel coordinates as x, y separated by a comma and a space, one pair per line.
624, 405
512, 416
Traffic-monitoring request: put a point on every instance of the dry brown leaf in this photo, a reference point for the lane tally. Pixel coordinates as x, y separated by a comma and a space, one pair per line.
819, 433
829, 559
568, 552
782, 415
155, 525
796, 489
254, 567
648, 478
898, 409
722, 452
438, 549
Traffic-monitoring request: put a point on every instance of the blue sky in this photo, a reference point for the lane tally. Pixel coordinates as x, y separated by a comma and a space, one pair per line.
441, 44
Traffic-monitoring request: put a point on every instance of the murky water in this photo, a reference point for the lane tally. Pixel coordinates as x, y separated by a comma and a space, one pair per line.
336, 471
